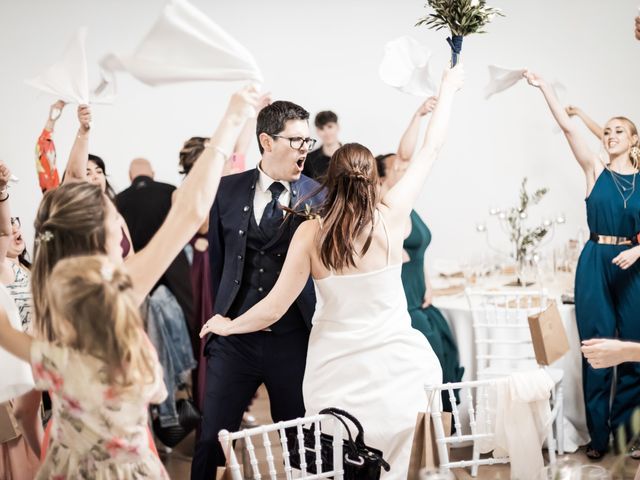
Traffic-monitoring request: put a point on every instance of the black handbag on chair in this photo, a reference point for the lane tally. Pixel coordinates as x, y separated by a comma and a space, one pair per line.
188, 418
360, 462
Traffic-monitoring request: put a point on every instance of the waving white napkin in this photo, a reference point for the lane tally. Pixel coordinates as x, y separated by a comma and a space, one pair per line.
16, 377
106, 90
406, 66
68, 78
185, 45
502, 78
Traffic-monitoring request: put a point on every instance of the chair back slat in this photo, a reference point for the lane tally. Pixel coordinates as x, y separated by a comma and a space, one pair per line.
317, 445
266, 441
252, 457
285, 454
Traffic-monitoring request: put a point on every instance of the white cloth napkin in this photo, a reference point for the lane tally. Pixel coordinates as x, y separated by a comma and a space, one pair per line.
523, 416
16, 377
106, 91
185, 45
68, 78
406, 67
502, 78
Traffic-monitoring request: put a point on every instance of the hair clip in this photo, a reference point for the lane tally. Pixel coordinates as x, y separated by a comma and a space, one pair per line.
45, 236
106, 271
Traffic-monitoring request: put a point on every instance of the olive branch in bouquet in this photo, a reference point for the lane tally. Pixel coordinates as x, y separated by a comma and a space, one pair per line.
461, 17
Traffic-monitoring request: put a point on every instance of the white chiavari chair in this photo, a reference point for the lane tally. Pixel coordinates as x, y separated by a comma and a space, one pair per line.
268, 450
503, 343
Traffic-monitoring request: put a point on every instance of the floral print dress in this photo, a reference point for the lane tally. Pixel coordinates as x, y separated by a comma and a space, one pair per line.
46, 161
98, 432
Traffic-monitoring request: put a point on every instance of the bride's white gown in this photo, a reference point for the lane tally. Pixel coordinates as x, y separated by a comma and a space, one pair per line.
365, 358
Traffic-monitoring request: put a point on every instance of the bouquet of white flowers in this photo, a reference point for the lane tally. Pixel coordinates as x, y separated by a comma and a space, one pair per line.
461, 17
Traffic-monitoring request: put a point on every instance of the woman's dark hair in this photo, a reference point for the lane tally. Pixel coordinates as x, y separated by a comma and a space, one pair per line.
111, 193
352, 195
322, 118
381, 162
190, 152
272, 118
23, 259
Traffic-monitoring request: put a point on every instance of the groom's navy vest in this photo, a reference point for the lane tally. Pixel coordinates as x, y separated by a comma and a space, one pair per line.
264, 258
244, 263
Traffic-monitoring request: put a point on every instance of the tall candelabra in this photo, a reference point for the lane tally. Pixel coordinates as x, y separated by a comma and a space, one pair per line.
525, 241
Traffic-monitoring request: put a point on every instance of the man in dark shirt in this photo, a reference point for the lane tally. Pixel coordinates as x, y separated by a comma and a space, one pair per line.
317, 161
145, 204
144, 207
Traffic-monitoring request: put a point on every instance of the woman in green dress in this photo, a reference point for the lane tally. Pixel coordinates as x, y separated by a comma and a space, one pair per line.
424, 316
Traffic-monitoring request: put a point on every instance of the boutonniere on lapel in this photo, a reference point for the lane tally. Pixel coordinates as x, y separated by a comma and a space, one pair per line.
309, 213
303, 211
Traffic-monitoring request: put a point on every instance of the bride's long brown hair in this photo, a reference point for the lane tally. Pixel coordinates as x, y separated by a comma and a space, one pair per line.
351, 185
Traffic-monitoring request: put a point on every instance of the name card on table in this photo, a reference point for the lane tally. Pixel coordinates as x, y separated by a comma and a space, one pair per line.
549, 337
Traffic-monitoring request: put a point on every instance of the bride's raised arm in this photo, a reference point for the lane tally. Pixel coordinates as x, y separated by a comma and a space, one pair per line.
403, 195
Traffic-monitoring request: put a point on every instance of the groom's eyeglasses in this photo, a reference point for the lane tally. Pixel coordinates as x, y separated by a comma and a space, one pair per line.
297, 142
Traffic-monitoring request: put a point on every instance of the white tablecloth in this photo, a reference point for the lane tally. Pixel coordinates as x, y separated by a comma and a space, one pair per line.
458, 313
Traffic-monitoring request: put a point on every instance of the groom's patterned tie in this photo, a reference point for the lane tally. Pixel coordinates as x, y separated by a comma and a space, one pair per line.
272, 216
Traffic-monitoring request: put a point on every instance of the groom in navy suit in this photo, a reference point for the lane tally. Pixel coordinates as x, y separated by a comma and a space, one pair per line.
248, 240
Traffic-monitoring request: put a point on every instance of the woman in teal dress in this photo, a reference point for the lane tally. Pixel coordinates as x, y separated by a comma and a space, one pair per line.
607, 286
424, 316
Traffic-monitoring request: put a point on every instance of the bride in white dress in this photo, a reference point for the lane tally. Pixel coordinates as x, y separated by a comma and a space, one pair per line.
364, 356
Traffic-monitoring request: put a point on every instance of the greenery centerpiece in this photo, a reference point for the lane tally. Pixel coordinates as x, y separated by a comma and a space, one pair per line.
525, 240
461, 17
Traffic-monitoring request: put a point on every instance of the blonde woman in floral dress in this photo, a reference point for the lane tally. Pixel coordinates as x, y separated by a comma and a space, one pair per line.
101, 375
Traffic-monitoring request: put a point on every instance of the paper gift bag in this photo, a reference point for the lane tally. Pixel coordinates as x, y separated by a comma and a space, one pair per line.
8, 425
424, 450
549, 336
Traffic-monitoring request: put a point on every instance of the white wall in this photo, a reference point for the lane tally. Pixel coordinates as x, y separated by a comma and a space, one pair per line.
325, 54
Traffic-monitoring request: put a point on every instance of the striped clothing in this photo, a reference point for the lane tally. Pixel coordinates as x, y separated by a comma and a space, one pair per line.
20, 291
